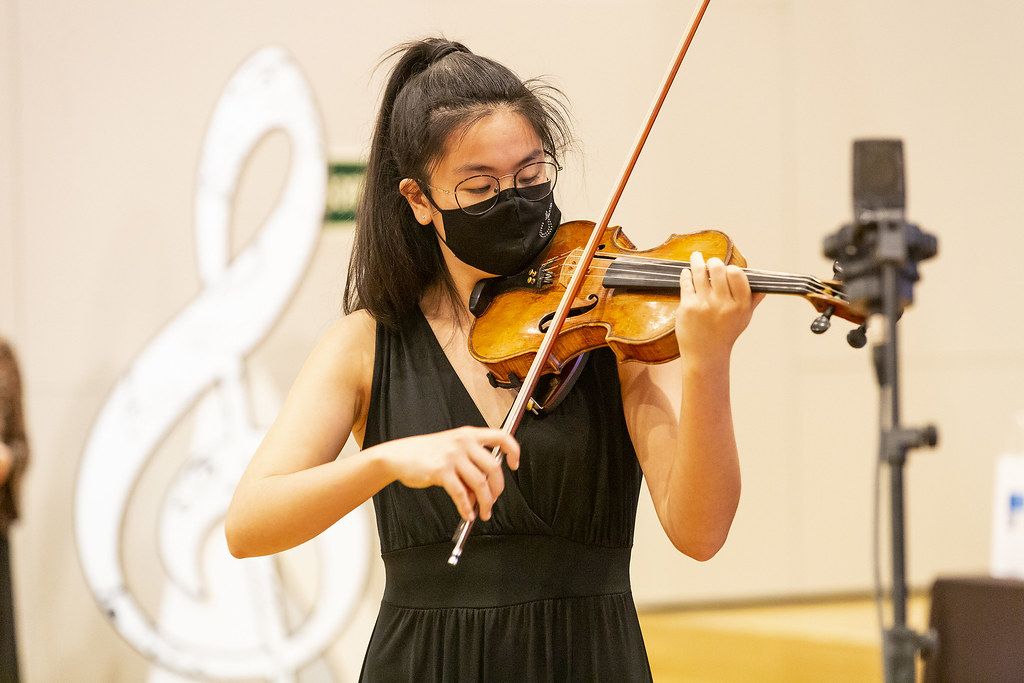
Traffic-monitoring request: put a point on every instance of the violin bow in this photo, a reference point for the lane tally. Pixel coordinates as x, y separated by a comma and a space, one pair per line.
518, 409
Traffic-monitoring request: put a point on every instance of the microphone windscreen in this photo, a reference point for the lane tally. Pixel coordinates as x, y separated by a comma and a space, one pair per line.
878, 188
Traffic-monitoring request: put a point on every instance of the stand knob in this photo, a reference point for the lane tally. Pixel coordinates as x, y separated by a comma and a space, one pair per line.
823, 322
930, 436
858, 337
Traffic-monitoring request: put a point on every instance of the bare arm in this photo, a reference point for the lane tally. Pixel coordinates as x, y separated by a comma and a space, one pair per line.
680, 417
295, 487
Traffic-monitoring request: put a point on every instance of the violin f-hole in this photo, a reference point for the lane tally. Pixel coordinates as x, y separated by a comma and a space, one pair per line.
593, 300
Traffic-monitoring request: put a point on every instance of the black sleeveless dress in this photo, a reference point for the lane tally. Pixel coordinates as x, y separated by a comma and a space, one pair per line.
542, 591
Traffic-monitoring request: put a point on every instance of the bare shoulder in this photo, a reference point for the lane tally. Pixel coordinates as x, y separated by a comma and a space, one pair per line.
346, 348
354, 331
344, 354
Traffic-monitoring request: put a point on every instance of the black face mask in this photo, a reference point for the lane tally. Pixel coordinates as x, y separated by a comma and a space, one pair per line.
504, 240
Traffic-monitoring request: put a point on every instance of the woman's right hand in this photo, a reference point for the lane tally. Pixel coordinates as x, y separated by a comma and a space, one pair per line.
460, 461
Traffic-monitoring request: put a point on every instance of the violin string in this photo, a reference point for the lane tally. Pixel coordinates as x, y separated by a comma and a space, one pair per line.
776, 287
670, 263
661, 261
761, 279
766, 280
780, 282
677, 266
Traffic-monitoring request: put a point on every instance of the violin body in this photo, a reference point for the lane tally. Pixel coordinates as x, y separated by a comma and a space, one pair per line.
614, 308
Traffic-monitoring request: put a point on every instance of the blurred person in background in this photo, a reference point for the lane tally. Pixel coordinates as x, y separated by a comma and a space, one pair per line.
13, 459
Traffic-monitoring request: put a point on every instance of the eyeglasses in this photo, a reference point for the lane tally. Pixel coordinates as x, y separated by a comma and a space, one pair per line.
476, 195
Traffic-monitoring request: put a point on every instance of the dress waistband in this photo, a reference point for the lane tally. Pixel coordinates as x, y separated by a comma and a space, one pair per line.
497, 571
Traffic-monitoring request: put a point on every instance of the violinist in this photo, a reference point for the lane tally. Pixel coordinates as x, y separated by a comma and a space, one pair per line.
461, 182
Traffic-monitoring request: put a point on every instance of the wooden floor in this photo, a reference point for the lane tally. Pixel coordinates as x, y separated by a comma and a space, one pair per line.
827, 640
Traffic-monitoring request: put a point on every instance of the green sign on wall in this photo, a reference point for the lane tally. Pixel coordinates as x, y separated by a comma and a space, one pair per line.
344, 182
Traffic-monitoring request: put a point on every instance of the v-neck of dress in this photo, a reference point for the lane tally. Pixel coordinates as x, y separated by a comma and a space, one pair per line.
429, 331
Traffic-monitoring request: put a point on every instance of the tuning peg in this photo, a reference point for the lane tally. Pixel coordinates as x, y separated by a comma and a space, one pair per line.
858, 336
823, 322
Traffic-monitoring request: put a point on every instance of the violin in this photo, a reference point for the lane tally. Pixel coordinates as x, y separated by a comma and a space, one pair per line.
627, 301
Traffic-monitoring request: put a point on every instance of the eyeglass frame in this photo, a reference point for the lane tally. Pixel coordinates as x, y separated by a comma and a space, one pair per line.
553, 161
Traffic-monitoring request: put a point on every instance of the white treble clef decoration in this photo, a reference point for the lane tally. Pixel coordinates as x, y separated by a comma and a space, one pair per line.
219, 617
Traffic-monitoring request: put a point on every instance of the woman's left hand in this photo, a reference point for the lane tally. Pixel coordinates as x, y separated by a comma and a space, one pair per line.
715, 306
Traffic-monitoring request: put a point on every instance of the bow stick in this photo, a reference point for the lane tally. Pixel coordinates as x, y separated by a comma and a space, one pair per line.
516, 412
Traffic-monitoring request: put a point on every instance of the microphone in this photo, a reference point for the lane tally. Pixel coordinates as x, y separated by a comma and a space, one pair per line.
879, 193
879, 233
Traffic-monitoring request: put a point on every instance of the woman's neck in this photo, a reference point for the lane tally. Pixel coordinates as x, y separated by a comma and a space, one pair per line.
436, 304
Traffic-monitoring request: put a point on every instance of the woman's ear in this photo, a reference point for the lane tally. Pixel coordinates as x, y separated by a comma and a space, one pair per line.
421, 207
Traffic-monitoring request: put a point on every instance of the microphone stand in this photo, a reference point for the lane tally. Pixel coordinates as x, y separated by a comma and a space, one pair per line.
877, 257
900, 642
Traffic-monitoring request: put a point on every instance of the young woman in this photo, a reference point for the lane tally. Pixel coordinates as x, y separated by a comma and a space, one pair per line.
462, 167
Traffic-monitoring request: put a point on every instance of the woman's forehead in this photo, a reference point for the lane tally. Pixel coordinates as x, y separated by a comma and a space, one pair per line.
499, 143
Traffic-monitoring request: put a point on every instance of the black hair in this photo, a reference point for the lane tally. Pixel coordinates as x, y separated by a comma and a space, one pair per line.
437, 87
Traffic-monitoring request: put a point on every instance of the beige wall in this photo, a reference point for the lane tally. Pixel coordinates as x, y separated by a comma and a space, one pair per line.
103, 107
8, 152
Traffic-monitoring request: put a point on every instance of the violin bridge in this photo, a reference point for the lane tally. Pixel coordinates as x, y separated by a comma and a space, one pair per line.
572, 260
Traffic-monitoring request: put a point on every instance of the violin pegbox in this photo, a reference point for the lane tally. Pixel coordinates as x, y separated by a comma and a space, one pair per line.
829, 299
